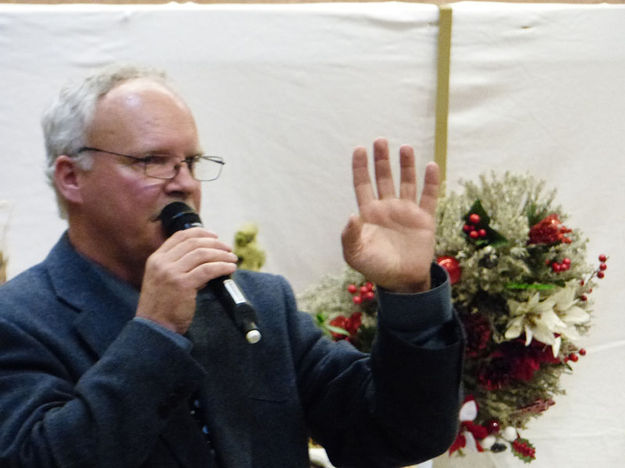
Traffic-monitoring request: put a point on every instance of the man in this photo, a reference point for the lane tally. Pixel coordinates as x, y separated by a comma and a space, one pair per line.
112, 358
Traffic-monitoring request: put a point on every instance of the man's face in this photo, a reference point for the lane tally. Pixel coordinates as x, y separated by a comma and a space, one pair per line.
120, 204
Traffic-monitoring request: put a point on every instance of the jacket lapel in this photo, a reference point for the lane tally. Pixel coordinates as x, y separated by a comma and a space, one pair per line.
102, 313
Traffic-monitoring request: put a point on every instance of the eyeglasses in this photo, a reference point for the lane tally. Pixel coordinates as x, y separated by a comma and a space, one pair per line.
202, 167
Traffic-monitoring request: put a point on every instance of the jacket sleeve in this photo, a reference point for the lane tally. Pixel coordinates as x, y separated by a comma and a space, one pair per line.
397, 406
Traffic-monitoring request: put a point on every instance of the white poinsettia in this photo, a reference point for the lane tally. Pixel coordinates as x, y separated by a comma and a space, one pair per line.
556, 314
537, 319
568, 309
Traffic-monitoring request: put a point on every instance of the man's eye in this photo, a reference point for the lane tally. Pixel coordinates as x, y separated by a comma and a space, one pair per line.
192, 160
154, 160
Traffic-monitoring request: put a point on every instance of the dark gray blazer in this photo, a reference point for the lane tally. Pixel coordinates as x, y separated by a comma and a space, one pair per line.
82, 384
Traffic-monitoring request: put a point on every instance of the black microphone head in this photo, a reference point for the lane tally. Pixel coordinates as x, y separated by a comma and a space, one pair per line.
178, 216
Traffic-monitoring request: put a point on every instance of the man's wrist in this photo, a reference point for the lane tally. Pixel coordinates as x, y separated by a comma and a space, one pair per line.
415, 311
175, 337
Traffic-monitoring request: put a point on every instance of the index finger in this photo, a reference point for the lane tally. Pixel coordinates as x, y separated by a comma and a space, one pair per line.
362, 180
180, 236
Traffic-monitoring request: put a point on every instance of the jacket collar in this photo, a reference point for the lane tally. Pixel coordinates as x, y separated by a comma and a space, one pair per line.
76, 281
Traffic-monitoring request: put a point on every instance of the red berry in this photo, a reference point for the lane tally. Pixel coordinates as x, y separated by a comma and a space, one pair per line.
492, 426
603, 267
602, 258
369, 295
452, 266
352, 288
369, 285
556, 267
482, 232
467, 227
582, 352
583, 297
474, 235
573, 357
600, 274
363, 290
357, 300
582, 283
566, 261
474, 218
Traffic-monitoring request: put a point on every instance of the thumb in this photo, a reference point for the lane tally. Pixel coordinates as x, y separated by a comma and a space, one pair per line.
350, 236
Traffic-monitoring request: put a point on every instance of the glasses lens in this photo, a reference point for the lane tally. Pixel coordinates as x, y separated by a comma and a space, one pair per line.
207, 168
159, 166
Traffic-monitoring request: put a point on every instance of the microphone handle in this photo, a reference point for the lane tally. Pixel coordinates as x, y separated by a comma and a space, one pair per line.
238, 307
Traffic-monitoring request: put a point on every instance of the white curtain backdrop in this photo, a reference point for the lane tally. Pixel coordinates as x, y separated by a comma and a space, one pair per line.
284, 93
539, 89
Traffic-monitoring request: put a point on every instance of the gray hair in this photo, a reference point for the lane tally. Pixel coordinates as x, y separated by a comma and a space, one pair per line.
66, 121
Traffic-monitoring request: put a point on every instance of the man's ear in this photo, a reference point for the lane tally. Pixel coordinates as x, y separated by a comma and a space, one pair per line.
66, 178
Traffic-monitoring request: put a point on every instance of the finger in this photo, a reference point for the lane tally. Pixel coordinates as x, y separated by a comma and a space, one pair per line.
408, 173
431, 185
383, 173
206, 254
180, 236
362, 181
192, 262
201, 265
206, 272
187, 254
194, 251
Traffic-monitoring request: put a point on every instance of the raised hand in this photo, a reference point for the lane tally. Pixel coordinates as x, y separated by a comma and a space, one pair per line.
391, 240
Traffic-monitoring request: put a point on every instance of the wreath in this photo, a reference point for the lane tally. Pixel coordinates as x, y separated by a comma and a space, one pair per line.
521, 287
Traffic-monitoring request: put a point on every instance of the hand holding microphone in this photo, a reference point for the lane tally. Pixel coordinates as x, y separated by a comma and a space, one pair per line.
179, 216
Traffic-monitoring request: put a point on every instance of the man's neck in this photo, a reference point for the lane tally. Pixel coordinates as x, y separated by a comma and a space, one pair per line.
121, 268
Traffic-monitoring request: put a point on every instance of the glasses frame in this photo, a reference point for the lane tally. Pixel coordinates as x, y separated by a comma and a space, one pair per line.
144, 161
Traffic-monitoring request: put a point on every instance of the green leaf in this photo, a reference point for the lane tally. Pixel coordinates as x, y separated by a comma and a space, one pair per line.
535, 213
538, 286
492, 238
478, 209
527, 458
339, 330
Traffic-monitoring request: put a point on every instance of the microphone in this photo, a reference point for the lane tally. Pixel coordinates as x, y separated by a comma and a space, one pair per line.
178, 216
